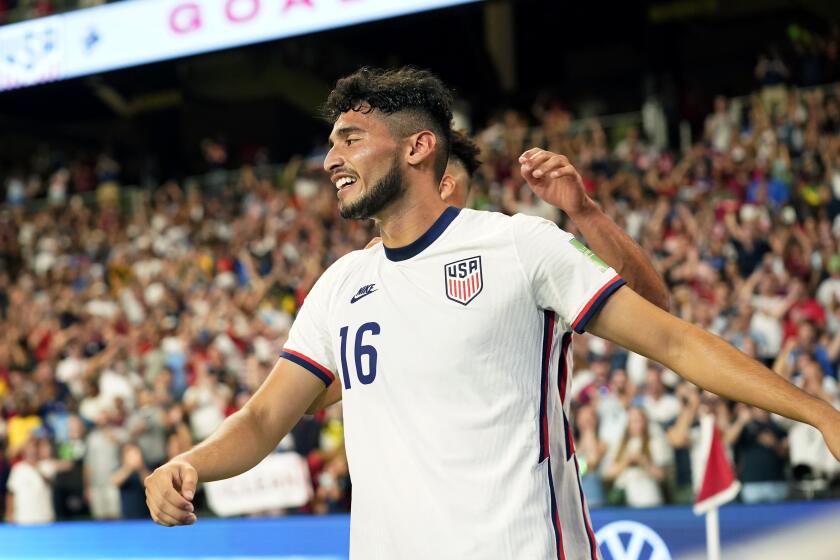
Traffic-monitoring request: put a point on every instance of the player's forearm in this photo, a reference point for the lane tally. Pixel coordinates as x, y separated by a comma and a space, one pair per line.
237, 446
709, 362
246, 437
618, 250
705, 359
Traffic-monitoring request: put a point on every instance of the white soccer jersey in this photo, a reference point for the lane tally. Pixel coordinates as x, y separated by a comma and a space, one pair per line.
453, 355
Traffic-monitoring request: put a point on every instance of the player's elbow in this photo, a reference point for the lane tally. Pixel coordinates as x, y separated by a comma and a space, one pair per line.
316, 406
259, 425
327, 398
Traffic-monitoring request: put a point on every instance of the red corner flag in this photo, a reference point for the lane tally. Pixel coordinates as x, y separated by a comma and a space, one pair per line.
718, 481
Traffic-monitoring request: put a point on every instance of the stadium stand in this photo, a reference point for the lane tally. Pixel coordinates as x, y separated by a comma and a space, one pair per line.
148, 315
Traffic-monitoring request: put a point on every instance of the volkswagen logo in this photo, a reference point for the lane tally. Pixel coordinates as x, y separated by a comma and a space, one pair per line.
628, 540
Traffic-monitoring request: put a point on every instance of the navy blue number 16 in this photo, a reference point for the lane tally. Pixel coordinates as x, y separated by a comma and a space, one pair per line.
359, 350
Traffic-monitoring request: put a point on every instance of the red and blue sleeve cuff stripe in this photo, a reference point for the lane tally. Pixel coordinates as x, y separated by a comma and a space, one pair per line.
591, 309
310, 365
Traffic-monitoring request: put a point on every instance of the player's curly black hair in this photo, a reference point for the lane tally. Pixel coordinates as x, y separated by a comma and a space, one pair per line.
417, 97
462, 148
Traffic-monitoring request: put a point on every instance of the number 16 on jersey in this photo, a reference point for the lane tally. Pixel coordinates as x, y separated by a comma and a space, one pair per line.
359, 351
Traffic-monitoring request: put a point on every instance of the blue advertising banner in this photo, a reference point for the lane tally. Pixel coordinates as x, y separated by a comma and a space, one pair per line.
623, 534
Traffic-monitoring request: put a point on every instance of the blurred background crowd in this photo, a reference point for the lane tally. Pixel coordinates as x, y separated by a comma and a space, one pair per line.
133, 324
134, 320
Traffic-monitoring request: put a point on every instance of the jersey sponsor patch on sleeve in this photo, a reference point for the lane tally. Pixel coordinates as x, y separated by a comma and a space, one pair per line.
589, 253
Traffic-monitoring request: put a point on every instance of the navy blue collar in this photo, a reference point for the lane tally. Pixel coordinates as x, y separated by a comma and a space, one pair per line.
417, 247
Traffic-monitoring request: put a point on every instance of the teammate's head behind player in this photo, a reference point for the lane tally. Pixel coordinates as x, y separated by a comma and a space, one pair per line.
391, 128
463, 163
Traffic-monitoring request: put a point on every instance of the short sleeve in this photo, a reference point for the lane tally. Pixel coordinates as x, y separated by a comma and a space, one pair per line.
565, 276
309, 344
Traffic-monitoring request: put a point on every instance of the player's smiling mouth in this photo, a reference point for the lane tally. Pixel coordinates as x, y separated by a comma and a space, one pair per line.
344, 190
344, 182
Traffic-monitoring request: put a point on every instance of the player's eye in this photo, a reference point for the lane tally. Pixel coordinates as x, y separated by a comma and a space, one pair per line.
350, 141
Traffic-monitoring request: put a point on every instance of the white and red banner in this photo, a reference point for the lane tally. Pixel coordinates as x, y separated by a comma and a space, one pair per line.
141, 31
281, 480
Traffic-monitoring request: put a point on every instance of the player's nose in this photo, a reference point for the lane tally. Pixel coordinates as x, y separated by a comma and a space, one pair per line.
333, 160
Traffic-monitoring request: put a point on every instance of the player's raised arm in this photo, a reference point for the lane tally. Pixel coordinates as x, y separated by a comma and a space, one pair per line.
709, 362
586, 294
241, 442
555, 180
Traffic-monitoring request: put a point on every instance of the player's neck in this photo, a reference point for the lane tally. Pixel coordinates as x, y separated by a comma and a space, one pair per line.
409, 218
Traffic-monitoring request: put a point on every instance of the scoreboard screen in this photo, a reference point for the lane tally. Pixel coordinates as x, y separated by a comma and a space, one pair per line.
137, 32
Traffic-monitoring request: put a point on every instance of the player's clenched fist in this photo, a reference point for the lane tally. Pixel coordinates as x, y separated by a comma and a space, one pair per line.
169, 493
554, 179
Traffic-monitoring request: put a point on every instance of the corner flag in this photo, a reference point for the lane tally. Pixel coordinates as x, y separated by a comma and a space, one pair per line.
718, 485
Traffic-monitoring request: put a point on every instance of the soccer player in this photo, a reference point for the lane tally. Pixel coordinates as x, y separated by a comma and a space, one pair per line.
608, 240
463, 163
451, 341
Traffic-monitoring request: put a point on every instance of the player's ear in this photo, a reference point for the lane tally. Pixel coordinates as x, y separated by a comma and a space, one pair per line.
421, 148
447, 187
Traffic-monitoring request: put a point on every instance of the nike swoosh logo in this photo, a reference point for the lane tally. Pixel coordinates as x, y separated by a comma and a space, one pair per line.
357, 297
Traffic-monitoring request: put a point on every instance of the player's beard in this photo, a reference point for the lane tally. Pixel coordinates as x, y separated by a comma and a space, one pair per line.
389, 189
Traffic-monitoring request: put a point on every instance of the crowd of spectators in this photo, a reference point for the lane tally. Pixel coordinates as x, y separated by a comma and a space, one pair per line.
133, 324
744, 229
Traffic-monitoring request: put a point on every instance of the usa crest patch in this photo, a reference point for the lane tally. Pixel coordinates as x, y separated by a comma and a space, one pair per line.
464, 280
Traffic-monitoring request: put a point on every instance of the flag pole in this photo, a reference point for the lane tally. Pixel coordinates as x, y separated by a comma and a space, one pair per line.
712, 535
718, 486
